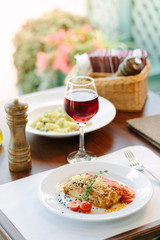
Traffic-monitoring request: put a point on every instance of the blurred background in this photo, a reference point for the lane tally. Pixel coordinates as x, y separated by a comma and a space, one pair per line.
40, 38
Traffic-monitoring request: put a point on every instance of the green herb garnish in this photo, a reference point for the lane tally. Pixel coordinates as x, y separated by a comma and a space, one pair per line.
88, 189
105, 171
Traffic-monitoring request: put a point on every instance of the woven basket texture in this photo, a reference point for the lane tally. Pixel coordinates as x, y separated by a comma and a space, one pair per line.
126, 93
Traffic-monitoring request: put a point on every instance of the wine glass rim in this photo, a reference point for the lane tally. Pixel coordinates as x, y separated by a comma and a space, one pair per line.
76, 77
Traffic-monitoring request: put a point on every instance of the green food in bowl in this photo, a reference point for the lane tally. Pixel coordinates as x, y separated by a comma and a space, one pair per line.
55, 121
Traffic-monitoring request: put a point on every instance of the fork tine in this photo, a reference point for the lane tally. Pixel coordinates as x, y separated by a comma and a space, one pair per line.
126, 153
131, 158
134, 159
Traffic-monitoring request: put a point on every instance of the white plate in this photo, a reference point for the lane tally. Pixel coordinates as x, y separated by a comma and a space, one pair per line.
49, 186
52, 99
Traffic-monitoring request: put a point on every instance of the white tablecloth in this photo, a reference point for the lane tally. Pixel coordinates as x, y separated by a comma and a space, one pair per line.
19, 200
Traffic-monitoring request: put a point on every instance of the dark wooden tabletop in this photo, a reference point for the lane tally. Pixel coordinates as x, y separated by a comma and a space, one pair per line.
50, 153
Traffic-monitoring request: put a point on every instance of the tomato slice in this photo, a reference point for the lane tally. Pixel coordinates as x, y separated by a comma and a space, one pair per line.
74, 205
85, 207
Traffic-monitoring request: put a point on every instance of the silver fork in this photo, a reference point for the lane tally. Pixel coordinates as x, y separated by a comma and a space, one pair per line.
137, 165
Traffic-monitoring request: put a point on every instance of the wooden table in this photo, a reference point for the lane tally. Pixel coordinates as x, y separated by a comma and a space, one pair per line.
50, 153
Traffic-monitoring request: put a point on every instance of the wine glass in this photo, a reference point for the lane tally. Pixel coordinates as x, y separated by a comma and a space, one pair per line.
81, 103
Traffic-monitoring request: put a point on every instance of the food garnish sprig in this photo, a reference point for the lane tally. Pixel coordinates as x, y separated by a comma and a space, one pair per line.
88, 189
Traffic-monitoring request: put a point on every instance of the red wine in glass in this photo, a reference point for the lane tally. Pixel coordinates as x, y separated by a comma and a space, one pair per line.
81, 105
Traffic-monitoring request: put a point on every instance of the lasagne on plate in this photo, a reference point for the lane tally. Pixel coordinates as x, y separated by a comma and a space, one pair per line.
104, 192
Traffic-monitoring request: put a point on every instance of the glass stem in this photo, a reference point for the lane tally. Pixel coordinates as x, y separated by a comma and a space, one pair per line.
82, 151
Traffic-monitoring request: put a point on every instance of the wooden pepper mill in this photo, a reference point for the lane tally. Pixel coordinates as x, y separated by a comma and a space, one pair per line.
19, 155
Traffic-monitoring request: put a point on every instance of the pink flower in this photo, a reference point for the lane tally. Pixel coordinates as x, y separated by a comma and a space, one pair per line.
82, 38
70, 33
50, 38
57, 36
96, 44
61, 62
65, 48
86, 28
42, 61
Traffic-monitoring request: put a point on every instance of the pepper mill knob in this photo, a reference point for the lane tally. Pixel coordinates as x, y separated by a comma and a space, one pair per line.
19, 155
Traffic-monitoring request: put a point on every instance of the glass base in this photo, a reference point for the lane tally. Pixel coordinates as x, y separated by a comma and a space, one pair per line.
76, 156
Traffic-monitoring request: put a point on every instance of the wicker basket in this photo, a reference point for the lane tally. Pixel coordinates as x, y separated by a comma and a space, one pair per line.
126, 93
